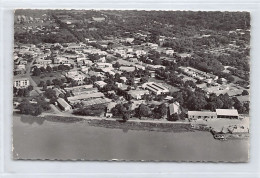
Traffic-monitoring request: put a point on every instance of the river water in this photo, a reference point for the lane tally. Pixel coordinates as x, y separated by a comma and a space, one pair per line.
79, 141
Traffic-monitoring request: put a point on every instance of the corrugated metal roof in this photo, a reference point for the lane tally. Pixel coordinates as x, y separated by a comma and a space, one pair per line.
62, 102
79, 87
86, 96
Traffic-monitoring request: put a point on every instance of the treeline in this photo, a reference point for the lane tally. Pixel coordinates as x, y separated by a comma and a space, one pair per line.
95, 110
126, 112
34, 108
198, 19
61, 37
145, 111
169, 23
198, 100
38, 71
22, 92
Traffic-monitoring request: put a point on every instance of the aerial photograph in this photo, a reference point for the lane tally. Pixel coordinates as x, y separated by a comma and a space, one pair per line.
131, 85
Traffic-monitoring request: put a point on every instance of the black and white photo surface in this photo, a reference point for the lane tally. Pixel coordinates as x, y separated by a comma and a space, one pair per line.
131, 85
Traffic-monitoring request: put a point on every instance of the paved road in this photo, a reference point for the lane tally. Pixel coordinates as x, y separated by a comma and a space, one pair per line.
28, 71
28, 74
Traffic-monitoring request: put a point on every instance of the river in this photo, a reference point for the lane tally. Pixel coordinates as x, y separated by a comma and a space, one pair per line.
79, 141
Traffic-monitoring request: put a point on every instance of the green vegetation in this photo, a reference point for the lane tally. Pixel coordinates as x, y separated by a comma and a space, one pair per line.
94, 110
43, 78
198, 100
33, 108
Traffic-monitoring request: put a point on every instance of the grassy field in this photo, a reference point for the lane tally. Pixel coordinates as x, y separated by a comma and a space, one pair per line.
47, 76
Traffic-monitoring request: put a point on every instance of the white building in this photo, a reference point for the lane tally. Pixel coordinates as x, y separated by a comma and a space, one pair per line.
153, 45
84, 69
227, 113
100, 84
43, 62
60, 60
119, 85
88, 62
138, 94
108, 70
103, 65
63, 104
79, 78
174, 108
194, 115
127, 69
169, 52
21, 82
120, 52
129, 40
140, 67
98, 19
140, 52
76, 75
154, 67
124, 79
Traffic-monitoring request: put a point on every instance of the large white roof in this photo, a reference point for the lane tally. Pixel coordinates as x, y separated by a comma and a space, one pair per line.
227, 112
62, 102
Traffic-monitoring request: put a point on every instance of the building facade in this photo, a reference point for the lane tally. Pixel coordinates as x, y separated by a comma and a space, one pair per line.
21, 82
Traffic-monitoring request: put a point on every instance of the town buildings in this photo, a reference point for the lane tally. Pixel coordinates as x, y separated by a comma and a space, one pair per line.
97, 61
197, 74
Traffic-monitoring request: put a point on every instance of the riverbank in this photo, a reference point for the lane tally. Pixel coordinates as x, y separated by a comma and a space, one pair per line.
159, 126
150, 126
145, 125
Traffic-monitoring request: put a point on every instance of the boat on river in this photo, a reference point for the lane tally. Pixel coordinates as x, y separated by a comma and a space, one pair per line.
220, 137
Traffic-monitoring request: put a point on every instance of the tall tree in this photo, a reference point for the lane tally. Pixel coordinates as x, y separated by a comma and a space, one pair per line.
143, 111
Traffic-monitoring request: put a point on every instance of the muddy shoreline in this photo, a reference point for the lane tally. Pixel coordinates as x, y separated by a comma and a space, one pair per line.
117, 124
149, 126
